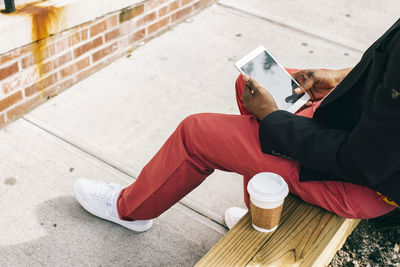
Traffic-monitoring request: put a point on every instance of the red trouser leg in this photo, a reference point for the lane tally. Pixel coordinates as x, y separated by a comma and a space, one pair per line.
200, 144
204, 142
239, 87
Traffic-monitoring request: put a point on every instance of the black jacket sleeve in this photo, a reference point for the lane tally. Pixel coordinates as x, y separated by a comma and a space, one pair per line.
366, 155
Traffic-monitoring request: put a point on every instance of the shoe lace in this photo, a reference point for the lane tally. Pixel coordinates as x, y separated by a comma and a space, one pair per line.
106, 193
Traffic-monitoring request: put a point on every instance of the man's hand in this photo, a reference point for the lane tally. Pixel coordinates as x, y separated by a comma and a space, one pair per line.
318, 83
256, 99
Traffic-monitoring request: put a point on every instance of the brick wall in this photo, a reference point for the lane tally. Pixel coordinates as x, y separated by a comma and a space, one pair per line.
32, 74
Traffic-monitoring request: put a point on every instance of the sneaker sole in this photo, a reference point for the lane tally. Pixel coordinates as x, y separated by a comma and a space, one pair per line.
143, 228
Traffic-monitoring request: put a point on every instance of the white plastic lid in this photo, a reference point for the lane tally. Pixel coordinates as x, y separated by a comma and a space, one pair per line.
267, 186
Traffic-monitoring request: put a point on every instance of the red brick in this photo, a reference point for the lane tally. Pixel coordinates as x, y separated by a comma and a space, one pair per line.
162, 11
39, 52
182, 13
83, 63
98, 28
100, 64
186, 2
16, 53
78, 37
28, 61
113, 57
22, 79
88, 46
132, 38
55, 63
113, 35
2, 120
55, 90
8, 71
49, 80
137, 36
62, 86
62, 60
201, 4
67, 71
112, 21
61, 45
44, 47
105, 52
168, 9
70, 40
30, 90
75, 67
41, 85
8, 56
10, 100
90, 71
127, 27
153, 4
48, 49
142, 21
130, 13
24, 108
158, 25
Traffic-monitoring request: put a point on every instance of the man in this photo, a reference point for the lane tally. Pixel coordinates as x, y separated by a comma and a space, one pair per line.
340, 152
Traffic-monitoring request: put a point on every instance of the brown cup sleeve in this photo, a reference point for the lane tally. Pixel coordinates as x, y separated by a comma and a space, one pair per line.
265, 218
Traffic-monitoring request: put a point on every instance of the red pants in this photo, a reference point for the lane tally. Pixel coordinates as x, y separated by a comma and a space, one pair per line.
204, 142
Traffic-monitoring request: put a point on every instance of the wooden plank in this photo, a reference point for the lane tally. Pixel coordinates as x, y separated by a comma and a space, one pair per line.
307, 236
310, 236
336, 242
242, 242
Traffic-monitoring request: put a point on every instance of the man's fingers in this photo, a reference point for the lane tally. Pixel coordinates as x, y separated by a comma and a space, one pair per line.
248, 91
253, 85
297, 90
309, 103
246, 79
307, 85
247, 95
298, 74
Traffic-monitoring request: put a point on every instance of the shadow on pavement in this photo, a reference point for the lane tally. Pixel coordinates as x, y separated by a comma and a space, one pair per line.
75, 237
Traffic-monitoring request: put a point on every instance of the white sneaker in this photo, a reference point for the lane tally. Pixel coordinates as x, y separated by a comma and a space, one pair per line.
100, 199
233, 215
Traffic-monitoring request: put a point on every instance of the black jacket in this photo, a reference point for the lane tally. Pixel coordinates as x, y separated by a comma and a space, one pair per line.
354, 135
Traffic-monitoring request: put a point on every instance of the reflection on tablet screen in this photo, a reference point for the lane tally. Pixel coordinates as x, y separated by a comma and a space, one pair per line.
270, 75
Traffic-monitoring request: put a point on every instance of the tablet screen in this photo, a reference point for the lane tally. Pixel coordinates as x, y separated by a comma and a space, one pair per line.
270, 75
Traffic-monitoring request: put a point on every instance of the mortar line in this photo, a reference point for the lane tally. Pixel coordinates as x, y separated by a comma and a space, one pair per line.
213, 217
354, 46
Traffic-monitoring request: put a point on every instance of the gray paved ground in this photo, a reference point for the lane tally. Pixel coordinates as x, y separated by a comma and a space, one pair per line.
108, 126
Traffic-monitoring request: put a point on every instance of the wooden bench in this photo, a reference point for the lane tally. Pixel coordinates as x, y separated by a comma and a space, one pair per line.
307, 236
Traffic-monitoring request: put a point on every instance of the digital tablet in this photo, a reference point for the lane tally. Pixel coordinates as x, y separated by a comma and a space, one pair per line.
260, 65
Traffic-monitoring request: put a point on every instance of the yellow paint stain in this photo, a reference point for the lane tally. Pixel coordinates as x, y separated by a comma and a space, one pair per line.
46, 20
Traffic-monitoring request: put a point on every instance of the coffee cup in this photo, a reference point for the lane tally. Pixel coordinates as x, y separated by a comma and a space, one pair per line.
267, 192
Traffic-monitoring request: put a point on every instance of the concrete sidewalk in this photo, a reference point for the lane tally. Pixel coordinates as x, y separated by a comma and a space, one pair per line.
108, 126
